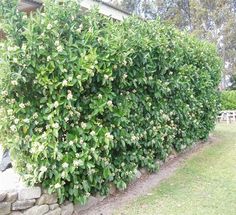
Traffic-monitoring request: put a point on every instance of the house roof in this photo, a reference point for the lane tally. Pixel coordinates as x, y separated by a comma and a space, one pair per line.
104, 8
29, 5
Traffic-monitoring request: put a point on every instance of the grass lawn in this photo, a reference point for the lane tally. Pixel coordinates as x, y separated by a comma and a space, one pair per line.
204, 185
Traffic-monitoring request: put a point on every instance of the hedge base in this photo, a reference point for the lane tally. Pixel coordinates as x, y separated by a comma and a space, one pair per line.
35, 200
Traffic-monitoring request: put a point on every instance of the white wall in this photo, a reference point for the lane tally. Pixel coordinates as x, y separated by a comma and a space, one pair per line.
104, 9
86, 4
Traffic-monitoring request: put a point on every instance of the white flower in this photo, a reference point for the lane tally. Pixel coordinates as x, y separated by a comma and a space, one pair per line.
36, 122
77, 163
78, 76
65, 165
106, 77
4, 93
78, 113
10, 112
29, 167
13, 128
83, 125
63, 174
64, 83
70, 78
57, 43
48, 58
71, 143
59, 48
36, 144
14, 82
12, 117
16, 121
43, 169
49, 26
56, 104
22, 105
40, 130
44, 135
81, 142
57, 186
33, 150
14, 60
24, 47
99, 39
99, 96
92, 133
80, 28
64, 70
133, 138
109, 103
69, 96
35, 116
76, 186
55, 125
26, 120
66, 119
109, 136
49, 117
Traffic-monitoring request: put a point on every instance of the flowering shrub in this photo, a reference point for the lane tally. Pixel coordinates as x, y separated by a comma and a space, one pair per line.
228, 100
92, 99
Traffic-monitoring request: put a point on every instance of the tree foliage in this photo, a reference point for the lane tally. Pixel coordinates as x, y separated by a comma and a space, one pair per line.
228, 100
214, 21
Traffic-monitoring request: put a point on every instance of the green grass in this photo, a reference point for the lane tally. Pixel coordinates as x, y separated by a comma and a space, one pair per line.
204, 185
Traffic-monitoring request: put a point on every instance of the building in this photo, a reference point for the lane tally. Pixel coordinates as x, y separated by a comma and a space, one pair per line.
103, 7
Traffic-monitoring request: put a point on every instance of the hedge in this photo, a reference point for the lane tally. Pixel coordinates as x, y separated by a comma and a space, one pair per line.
90, 99
228, 100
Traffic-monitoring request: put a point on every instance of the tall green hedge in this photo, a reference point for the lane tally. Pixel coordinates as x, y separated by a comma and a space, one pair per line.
228, 100
92, 99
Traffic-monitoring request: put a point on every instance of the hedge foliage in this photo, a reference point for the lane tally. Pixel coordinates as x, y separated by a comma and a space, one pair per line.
228, 100
92, 99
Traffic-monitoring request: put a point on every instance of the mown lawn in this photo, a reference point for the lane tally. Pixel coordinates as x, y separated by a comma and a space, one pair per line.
204, 185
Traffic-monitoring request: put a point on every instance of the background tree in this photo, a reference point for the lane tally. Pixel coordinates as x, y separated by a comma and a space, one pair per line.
214, 21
